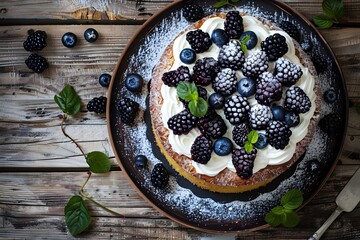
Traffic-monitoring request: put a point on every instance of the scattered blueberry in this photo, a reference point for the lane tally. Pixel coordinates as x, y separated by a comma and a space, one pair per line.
251, 43
216, 101
140, 161
188, 56
219, 37
330, 96
134, 82
69, 40
292, 119
223, 146
278, 113
262, 141
91, 35
246, 87
104, 79
313, 166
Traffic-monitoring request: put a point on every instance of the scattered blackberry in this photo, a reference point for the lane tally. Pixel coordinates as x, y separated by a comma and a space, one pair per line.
36, 63
275, 46
182, 122
255, 64
330, 123
97, 105
291, 29
243, 162
199, 41
240, 133
159, 176
231, 56
297, 100
212, 125
236, 109
260, 116
205, 71
172, 78
268, 89
225, 82
321, 63
193, 12
287, 72
127, 109
278, 134
233, 24
36, 41
201, 149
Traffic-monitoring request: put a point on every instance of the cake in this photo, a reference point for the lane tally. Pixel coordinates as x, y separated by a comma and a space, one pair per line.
284, 79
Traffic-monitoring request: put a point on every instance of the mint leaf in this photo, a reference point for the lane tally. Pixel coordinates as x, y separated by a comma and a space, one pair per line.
77, 217
98, 162
68, 101
234, 1
248, 147
333, 8
291, 219
220, 4
278, 210
253, 136
199, 107
187, 91
292, 199
274, 219
323, 21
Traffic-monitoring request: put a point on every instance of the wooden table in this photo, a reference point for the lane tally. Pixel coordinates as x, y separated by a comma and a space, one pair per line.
40, 169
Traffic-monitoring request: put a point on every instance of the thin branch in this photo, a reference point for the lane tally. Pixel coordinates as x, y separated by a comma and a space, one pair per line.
63, 130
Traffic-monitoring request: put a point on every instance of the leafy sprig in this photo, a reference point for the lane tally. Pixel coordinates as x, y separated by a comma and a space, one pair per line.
252, 138
333, 10
223, 3
243, 42
285, 214
198, 106
77, 216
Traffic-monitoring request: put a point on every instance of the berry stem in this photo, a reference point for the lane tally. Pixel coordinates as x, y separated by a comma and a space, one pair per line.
64, 118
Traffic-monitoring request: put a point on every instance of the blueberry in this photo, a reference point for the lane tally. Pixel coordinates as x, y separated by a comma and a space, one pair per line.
69, 40
292, 119
278, 113
104, 79
223, 146
134, 82
251, 43
187, 56
262, 141
246, 87
216, 101
313, 166
219, 37
140, 161
330, 96
91, 35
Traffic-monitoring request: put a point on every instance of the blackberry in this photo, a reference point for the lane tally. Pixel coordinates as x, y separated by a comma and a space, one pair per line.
287, 72
255, 64
36, 63
193, 12
97, 105
278, 134
231, 56
212, 125
236, 109
225, 82
321, 63
205, 71
182, 122
201, 149
297, 100
243, 162
330, 123
127, 109
275, 46
291, 29
36, 41
260, 116
172, 78
159, 176
268, 89
233, 24
240, 133
199, 41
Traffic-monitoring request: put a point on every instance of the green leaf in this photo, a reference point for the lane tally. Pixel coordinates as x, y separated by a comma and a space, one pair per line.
274, 219
292, 199
253, 136
278, 210
98, 162
333, 8
220, 4
187, 91
199, 107
77, 217
68, 101
245, 39
243, 47
291, 219
248, 147
234, 1
323, 21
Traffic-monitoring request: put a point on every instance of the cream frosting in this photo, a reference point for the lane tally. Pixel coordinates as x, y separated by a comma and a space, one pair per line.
267, 156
